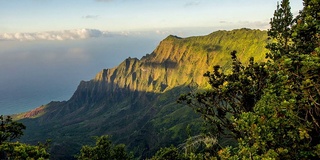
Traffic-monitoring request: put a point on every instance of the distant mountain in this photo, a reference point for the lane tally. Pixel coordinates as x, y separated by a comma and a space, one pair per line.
135, 102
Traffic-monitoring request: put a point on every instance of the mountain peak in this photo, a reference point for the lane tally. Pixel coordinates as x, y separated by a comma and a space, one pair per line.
172, 37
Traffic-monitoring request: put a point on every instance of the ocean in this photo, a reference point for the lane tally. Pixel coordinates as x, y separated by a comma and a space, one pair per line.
34, 73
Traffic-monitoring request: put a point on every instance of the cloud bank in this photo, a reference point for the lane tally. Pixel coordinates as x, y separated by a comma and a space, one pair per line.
55, 35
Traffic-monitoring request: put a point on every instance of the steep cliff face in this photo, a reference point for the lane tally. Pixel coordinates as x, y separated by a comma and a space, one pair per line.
180, 61
135, 101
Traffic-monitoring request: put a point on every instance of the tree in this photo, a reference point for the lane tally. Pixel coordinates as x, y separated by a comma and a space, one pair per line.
11, 130
230, 95
283, 119
285, 122
17, 150
280, 31
103, 150
300, 81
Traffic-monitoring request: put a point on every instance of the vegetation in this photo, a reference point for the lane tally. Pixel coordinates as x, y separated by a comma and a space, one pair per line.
10, 130
167, 153
270, 109
261, 108
125, 101
104, 149
231, 94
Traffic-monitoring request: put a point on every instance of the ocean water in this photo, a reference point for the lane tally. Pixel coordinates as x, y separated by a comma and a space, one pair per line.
19, 101
34, 73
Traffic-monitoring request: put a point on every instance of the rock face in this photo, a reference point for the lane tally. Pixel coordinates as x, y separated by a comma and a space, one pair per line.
135, 101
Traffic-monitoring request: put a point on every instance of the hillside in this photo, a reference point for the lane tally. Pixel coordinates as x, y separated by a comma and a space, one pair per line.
135, 102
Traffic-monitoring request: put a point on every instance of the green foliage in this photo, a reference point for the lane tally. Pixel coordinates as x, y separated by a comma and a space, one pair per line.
18, 151
104, 149
9, 129
305, 32
167, 153
282, 119
295, 75
230, 94
280, 31
273, 130
173, 153
200, 147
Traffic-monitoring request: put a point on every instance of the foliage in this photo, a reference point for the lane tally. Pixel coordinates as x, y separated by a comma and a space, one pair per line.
200, 147
281, 120
17, 150
271, 132
280, 31
230, 94
104, 149
173, 153
10, 130
167, 153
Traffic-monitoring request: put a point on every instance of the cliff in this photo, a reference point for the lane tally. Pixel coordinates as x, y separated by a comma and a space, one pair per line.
180, 61
135, 101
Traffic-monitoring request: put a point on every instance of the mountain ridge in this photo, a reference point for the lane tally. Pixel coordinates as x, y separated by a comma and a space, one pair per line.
168, 56
135, 101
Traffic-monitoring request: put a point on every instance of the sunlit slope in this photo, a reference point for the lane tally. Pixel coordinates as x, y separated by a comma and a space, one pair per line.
136, 101
179, 61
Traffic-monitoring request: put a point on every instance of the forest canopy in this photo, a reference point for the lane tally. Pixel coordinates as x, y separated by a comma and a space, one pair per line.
269, 109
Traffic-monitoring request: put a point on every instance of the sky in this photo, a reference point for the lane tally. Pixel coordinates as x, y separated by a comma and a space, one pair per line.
135, 15
48, 46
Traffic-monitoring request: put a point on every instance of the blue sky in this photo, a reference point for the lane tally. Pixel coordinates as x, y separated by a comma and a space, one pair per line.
135, 15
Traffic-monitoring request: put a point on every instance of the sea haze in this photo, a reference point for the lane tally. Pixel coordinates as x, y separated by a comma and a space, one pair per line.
33, 73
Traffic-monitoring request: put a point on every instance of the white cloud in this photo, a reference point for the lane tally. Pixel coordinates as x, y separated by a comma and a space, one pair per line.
56, 35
